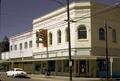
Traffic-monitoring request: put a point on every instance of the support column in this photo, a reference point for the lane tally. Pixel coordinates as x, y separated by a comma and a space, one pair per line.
33, 69
90, 65
12, 64
56, 67
75, 71
62, 65
78, 67
111, 61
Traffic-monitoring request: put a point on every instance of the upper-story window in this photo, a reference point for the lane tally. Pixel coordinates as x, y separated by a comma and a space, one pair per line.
30, 44
101, 34
50, 38
20, 46
26, 45
114, 35
59, 36
37, 45
11, 47
66, 34
82, 32
15, 47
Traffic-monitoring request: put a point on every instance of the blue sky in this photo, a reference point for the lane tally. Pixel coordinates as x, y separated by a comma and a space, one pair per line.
17, 15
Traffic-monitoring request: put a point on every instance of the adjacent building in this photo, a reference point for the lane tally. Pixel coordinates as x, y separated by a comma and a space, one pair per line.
88, 42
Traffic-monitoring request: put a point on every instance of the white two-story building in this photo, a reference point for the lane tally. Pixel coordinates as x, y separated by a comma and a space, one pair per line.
88, 41
20, 50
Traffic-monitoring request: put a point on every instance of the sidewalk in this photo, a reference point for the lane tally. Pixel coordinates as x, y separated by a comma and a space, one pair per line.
63, 78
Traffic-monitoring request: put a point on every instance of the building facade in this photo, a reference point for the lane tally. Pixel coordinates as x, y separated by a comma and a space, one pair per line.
88, 42
20, 50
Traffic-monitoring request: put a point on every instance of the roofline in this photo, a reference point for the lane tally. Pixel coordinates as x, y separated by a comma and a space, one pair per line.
61, 10
28, 31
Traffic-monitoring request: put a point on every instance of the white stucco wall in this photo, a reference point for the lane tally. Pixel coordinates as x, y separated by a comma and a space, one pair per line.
55, 21
16, 40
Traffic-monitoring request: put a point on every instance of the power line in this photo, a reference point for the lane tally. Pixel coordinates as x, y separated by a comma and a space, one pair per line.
21, 16
58, 2
108, 9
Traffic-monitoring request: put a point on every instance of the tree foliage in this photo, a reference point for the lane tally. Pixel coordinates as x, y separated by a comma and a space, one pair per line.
4, 45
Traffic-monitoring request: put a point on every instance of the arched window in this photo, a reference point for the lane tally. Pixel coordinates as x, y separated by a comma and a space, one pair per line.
113, 35
20, 46
59, 36
11, 47
30, 44
66, 34
101, 34
50, 38
82, 32
15, 47
26, 45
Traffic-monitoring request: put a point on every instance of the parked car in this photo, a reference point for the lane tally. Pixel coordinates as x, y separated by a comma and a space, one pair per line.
16, 72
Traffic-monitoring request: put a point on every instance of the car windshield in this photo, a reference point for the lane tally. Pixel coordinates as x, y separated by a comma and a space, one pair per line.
19, 69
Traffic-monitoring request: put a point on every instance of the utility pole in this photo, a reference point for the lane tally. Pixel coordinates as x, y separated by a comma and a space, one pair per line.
69, 38
0, 14
107, 57
69, 41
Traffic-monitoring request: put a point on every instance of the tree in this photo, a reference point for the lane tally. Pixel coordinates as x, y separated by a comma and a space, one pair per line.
4, 45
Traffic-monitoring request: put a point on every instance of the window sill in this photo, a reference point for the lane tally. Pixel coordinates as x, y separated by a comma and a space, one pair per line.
58, 43
83, 40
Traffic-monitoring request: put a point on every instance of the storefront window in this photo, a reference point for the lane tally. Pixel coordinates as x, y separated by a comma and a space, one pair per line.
37, 67
59, 63
82, 66
51, 66
66, 66
101, 64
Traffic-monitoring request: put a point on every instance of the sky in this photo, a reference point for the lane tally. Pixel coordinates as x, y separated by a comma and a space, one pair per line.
16, 16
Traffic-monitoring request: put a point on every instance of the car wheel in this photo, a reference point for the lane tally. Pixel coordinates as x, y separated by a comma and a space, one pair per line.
13, 76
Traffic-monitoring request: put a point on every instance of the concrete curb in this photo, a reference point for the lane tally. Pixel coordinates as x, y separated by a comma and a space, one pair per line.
63, 78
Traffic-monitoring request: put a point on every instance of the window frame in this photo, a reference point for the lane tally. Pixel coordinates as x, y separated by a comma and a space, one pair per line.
50, 38
82, 32
66, 34
59, 34
15, 46
20, 45
25, 45
101, 34
114, 36
30, 44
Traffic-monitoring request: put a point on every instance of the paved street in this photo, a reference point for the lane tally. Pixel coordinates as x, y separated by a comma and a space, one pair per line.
33, 77
3, 77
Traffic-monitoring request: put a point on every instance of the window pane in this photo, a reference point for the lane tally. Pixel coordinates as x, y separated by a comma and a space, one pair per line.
25, 44
113, 35
83, 66
101, 34
66, 34
50, 38
82, 32
15, 47
59, 36
11, 48
20, 46
66, 66
30, 44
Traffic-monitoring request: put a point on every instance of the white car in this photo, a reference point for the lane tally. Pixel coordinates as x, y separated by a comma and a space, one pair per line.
16, 72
